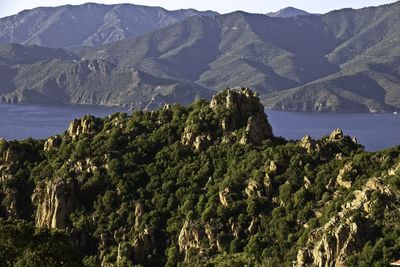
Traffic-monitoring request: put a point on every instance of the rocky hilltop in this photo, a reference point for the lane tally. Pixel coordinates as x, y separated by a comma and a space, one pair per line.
207, 184
234, 110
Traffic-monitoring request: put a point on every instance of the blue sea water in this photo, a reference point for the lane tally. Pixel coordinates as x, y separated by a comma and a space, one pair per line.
37, 121
374, 131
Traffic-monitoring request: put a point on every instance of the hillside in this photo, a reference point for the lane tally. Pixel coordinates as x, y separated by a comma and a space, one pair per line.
87, 25
349, 55
55, 76
206, 185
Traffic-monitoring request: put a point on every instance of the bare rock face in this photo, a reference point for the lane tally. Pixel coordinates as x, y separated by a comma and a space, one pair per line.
308, 143
336, 135
253, 189
235, 109
256, 131
105, 243
223, 197
395, 170
344, 178
211, 235
244, 110
253, 227
85, 125
125, 252
189, 237
55, 201
199, 142
139, 211
12, 210
11, 155
52, 143
344, 234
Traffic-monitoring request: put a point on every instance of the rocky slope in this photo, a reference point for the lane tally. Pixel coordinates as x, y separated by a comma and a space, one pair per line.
31, 74
134, 189
87, 25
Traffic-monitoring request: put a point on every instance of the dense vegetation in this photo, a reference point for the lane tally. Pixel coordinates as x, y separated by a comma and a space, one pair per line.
141, 197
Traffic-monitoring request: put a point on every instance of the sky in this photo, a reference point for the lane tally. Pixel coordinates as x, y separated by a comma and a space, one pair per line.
10, 7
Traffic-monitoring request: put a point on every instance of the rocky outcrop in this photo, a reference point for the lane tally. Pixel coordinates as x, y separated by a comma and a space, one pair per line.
11, 155
139, 211
55, 201
86, 125
308, 143
10, 199
223, 197
256, 131
270, 170
211, 235
336, 135
235, 109
104, 247
345, 176
244, 110
345, 233
253, 189
52, 143
143, 244
199, 142
125, 252
189, 238
253, 227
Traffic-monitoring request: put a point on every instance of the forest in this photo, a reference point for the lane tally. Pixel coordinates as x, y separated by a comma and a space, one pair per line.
203, 185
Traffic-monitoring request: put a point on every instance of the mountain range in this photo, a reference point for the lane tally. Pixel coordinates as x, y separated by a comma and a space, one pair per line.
89, 24
342, 61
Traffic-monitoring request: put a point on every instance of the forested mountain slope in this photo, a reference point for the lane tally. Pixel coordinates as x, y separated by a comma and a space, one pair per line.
349, 58
32, 74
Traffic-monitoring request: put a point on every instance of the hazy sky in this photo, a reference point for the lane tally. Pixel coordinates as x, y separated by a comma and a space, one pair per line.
9, 7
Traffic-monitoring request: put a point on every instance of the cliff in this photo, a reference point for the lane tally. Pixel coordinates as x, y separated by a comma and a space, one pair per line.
55, 200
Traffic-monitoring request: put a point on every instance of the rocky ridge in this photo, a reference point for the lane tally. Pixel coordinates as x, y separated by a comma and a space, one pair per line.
240, 117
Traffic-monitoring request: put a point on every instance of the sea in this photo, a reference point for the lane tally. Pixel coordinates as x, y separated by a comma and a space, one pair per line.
374, 131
